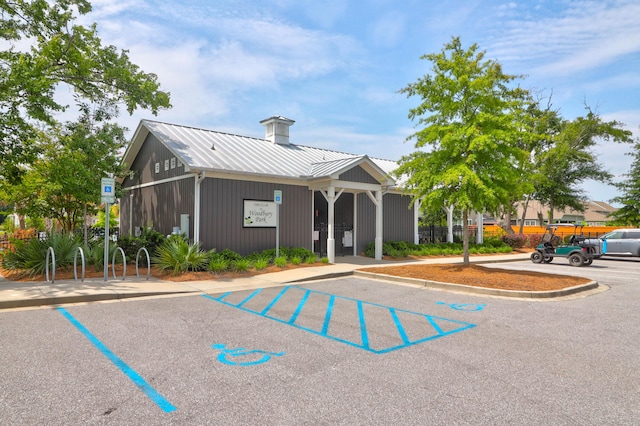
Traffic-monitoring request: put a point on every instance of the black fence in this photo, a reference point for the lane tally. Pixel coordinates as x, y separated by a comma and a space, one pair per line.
438, 234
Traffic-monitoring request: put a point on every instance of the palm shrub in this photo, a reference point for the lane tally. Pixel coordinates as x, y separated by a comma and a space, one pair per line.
177, 255
31, 255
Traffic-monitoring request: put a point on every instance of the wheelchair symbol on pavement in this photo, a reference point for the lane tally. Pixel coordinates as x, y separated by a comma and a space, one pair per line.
254, 356
469, 307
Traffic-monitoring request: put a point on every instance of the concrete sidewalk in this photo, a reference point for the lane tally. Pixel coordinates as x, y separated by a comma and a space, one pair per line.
42, 293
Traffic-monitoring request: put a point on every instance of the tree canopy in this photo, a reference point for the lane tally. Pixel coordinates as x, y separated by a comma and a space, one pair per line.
466, 149
629, 213
47, 48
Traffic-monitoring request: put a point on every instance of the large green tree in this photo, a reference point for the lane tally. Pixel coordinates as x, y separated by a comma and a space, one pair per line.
44, 48
63, 182
629, 213
567, 159
466, 147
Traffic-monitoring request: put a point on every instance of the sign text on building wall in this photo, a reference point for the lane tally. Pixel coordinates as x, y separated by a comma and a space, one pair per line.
259, 214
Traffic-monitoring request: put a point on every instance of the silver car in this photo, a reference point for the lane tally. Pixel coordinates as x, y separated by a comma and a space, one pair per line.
621, 242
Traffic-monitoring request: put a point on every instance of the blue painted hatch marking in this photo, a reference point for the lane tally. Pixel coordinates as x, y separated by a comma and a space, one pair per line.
369, 326
158, 399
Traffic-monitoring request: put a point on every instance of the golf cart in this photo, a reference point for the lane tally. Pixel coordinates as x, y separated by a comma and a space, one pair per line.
578, 251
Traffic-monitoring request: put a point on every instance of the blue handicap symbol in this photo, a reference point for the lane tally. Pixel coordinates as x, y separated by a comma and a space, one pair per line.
469, 307
227, 356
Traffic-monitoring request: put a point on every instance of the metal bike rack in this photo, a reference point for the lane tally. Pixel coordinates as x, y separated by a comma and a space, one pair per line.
75, 264
148, 262
50, 255
124, 262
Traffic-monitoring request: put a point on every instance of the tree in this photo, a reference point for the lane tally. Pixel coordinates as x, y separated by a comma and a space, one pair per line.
568, 159
63, 183
470, 131
60, 52
629, 213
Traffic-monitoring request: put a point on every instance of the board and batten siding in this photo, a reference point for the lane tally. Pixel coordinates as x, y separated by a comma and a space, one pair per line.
158, 206
358, 174
153, 152
222, 204
397, 219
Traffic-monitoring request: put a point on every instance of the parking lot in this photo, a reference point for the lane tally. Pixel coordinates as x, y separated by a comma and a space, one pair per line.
339, 351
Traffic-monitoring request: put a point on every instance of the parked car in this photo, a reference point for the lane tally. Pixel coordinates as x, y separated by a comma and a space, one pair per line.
621, 242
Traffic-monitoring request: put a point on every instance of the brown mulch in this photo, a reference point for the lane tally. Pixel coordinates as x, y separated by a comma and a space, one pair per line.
480, 276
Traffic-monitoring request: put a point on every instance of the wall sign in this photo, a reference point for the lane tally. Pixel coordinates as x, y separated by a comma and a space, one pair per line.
259, 214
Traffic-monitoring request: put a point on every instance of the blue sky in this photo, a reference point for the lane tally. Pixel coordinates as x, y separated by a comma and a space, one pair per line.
335, 67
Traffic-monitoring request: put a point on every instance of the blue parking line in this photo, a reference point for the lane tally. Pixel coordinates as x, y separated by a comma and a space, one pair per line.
251, 296
158, 399
433, 328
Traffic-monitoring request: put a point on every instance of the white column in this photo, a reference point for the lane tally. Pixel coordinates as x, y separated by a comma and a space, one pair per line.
331, 242
480, 231
416, 221
196, 208
355, 224
378, 241
449, 211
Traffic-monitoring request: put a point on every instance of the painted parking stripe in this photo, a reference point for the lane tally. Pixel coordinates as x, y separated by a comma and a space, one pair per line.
375, 328
158, 399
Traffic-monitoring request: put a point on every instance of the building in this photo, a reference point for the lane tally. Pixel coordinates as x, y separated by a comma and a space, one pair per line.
596, 213
220, 190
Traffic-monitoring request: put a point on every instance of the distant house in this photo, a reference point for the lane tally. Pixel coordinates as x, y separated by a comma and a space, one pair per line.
596, 213
220, 190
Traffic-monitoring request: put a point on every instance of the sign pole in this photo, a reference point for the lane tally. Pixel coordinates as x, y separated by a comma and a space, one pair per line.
277, 198
106, 242
108, 197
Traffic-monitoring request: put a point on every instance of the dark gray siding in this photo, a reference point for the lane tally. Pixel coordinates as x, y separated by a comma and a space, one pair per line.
222, 203
152, 152
358, 174
397, 219
158, 207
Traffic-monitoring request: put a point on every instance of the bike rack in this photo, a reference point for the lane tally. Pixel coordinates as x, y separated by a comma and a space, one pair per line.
75, 264
148, 262
124, 262
50, 255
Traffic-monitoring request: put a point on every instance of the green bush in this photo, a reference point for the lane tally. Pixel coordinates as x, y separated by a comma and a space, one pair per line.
177, 255
280, 262
310, 260
260, 264
218, 265
295, 260
30, 255
241, 265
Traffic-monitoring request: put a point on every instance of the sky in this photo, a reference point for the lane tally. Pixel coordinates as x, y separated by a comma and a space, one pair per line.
335, 67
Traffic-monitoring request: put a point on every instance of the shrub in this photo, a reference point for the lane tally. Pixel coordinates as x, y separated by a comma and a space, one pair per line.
30, 255
534, 240
229, 255
514, 240
178, 255
280, 262
310, 260
241, 265
260, 264
295, 260
217, 265
324, 260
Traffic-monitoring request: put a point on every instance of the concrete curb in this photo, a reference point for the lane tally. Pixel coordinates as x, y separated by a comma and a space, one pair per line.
98, 297
436, 285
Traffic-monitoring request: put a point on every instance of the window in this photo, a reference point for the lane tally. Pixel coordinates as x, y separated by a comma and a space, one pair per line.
157, 167
530, 222
173, 162
166, 165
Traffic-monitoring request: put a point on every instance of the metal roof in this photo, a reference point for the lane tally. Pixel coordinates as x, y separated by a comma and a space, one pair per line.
207, 150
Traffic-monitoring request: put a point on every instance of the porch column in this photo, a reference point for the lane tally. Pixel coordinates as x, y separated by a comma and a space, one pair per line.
355, 224
378, 241
331, 242
416, 221
480, 230
196, 208
449, 211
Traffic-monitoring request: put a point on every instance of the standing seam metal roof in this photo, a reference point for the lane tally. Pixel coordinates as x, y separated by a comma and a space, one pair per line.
208, 150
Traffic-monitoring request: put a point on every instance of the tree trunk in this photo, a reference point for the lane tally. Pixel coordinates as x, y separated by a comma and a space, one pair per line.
465, 236
525, 206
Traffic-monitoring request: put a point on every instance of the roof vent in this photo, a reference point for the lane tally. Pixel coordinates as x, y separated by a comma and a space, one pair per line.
277, 129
